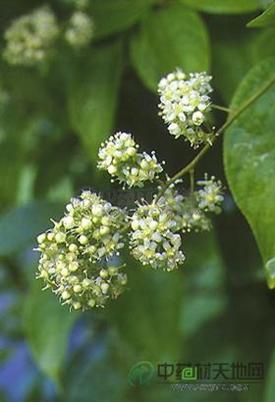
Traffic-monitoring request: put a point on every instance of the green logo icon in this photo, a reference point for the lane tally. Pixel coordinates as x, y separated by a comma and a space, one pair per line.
141, 374
189, 374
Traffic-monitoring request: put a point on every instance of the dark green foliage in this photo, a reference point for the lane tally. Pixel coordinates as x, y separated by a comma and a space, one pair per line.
53, 118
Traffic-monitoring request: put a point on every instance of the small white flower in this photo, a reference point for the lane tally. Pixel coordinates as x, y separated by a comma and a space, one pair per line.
198, 118
68, 222
210, 196
80, 29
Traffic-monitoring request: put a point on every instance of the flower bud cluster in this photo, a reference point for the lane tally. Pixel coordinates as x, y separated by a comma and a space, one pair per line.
184, 103
186, 212
30, 37
210, 195
157, 228
80, 29
119, 156
75, 253
153, 240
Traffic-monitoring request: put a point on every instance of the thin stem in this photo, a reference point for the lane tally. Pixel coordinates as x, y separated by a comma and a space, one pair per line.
192, 180
218, 107
234, 115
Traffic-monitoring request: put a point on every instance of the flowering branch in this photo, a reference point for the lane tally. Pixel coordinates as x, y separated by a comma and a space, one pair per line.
191, 165
77, 255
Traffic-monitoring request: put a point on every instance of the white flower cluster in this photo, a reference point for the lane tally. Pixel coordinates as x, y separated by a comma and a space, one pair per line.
152, 240
184, 102
210, 197
80, 29
119, 156
30, 37
157, 228
193, 218
75, 253
186, 209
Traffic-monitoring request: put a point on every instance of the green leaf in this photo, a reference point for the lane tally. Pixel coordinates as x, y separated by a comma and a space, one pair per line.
47, 326
10, 172
115, 16
93, 96
270, 382
264, 44
168, 38
20, 226
249, 157
148, 314
266, 19
233, 54
223, 6
205, 293
98, 379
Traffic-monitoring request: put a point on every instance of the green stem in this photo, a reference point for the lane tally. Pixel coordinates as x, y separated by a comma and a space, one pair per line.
234, 115
192, 180
218, 107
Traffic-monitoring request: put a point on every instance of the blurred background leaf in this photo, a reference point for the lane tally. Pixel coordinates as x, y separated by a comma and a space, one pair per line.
172, 36
20, 226
266, 19
92, 98
233, 53
270, 388
224, 6
147, 315
115, 16
47, 326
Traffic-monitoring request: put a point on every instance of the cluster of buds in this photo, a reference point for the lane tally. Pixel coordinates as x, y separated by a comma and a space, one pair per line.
119, 156
184, 103
76, 252
187, 213
209, 196
152, 239
30, 37
79, 30
157, 228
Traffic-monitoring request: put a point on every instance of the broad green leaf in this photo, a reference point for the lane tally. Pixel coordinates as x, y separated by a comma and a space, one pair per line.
20, 226
168, 38
115, 16
205, 294
47, 327
223, 6
249, 157
9, 172
93, 94
264, 44
266, 19
270, 382
147, 316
